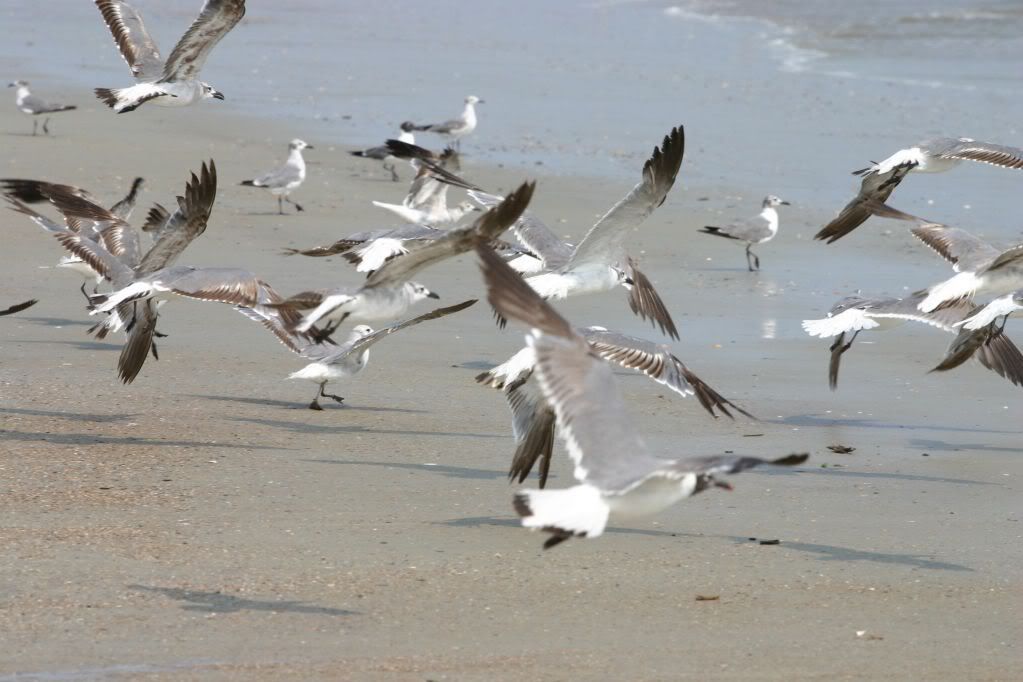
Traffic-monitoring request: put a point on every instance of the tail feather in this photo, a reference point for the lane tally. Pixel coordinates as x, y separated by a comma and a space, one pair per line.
579, 511
959, 288
716, 231
107, 96
248, 183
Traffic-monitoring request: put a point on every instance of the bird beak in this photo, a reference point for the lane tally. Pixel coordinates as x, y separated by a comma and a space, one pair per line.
309, 146
481, 101
217, 94
629, 282
724, 485
785, 203
432, 295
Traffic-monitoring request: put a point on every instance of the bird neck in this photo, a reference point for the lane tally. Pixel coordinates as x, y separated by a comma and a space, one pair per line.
295, 158
469, 114
407, 137
770, 214
21, 93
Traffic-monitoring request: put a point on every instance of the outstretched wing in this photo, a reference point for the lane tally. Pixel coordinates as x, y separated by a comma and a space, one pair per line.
532, 233
874, 191
603, 243
214, 21
984, 152
132, 39
960, 248
646, 302
186, 224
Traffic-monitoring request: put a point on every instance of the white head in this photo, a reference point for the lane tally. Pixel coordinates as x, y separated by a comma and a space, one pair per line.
418, 292
18, 84
774, 202
463, 208
299, 145
473, 99
360, 331
209, 92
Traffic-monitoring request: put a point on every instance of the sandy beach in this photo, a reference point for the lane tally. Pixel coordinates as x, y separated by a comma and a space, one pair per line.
201, 523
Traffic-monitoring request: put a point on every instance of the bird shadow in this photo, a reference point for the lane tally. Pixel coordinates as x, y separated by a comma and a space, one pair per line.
73, 416
81, 345
442, 469
876, 474
476, 365
305, 406
806, 420
835, 553
301, 427
218, 602
56, 321
481, 521
93, 439
944, 446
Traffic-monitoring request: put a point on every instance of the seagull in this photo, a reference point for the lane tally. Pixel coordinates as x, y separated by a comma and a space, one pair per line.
124, 208
426, 201
599, 262
457, 128
389, 292
618, 476
757, 230
858, 313
18, 307
981, 268
285, 178
28, 103
874, 192
382, 153
533, 420
1003, 306
171, 83
329, 362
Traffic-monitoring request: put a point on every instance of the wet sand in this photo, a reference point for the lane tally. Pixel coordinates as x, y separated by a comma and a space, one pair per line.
201, 523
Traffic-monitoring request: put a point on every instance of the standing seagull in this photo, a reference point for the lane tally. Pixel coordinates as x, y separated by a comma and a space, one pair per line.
618, 476
757, 230
329, 362
281, 180
382, 153
174, 83
28, 103
456, 128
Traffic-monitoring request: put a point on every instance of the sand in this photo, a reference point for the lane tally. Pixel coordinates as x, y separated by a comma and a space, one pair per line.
201, 523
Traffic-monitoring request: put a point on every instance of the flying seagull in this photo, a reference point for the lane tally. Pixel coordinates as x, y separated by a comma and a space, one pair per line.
383, 154
600, 261
389, 291
618, 476
34, 106
426, 201
1003, 306
286, 177
329, 362
533, 419
981, 268
457, 128
855, 314
757, 230
174, 82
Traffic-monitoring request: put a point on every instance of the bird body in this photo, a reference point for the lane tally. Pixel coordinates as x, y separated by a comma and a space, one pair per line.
286, 177
27, 103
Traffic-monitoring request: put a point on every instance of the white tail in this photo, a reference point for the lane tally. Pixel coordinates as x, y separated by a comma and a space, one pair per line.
133, 291
579, 510
377, 252
962, 286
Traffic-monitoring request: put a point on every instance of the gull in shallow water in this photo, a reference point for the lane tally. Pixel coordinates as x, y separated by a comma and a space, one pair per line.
34, 106
286, 177
600, 261
533, 419
457, 128
383, 154
757, 230
981, 268
330, 362
174, 82
933, 156
855, 314
389, 291
618, 475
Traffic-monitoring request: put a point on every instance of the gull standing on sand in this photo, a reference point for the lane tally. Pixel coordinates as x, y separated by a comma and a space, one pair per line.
618, 476
389, 291
383, 154
933, 156
757, 230
28, 103
329, 362
457, 128
855, 314
533, 419
981, 268
174, 83
286, 177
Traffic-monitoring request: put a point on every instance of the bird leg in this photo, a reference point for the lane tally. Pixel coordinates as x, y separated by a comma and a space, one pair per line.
280, 205
315, 404
46, 125
1001, 327
756, 259
337, 398
35, 124
152, 347
293, 203
394, 173
86, 295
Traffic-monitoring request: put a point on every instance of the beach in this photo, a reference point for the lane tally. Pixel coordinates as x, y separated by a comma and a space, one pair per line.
202, 523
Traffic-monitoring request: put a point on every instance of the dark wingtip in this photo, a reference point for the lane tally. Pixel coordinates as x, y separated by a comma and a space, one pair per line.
791, 460
107, 96
521, 503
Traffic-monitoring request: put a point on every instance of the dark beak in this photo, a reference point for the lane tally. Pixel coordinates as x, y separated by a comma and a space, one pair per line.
217, 94
785, 203
724, 485
628, 281
432, 295
309, 146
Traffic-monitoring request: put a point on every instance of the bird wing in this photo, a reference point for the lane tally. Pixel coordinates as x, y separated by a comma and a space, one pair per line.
728, 464
874, 191
646, 302
604, 242
216, 18
186, 224
220, 285
984, 152
532, 233
140, 341
960, 248
533, 424
281, 176
132, 39
486, 228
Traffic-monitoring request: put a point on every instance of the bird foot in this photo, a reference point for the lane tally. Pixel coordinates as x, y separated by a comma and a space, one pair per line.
315, 405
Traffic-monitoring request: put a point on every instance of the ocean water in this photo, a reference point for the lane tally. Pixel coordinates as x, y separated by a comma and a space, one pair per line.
778, 96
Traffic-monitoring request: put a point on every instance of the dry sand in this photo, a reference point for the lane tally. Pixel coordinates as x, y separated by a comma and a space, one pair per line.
201, 523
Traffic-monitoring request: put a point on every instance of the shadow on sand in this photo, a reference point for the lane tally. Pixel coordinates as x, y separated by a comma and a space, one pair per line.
218, 602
